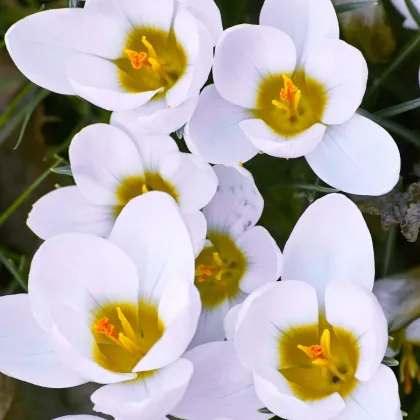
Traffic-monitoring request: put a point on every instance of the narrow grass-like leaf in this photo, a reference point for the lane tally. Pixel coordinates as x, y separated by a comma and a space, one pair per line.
63, 170
414, 12
348, 7
392, 111
390, 361
412, 46
6, 115
13, 271
264, 410
17, 203
16, 119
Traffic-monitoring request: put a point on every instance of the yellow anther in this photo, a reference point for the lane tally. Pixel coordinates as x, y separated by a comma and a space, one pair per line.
326, 343
290, 97
156, 66
128, 329
149, 46
217, 259
241, 164
128, 345
104, 327
144, 189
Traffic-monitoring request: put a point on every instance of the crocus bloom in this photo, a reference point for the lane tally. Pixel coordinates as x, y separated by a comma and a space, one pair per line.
313, 342
290, 88
238, 256
112, 167
367, 28
119, 312
122, 55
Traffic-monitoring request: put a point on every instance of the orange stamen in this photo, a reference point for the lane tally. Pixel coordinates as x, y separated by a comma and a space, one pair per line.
137, 59
104, 327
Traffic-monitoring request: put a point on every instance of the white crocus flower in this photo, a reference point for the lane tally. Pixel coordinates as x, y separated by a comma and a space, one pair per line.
122, 55
313, 342
118, 312
110, 168
289, 87
401, 6
238, 256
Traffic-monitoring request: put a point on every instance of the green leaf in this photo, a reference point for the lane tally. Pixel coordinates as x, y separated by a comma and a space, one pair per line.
8, 263
415, 14
63, 170
398, 109
412, 46
16, 204
390, 361
264, 410
348, 7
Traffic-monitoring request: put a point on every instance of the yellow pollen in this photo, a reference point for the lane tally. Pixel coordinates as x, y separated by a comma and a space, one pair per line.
137, 59
290, 97
320, 354
104, 327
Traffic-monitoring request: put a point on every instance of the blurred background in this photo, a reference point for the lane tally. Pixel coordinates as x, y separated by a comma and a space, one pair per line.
36, 127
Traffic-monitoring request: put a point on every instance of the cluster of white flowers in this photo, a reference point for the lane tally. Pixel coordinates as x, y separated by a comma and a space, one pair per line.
154, 279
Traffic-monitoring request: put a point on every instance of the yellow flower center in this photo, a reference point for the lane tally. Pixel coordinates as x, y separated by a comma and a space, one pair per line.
133, 186
409, 368
152, 59
124, 334
290, 103
219, 269
318, 366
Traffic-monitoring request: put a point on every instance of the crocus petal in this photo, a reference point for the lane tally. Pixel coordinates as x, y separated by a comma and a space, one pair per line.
275, 393
366, 321
358, 157
204, 60
179, 309
197, 228
151, 231
91, 271
342, 70
401, 6
96, 80
245, 55
134, 13
192, 177
186, 31
207, 12
66, 210
211, 323
219, 387
412, 333
330, 242
152, 148
41, 44
279, 308
307, 22
264, 258
271, 143
237, 204
25, 351
374, 400
214, 133
101, 157
74, 343
159, 120
146, 398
